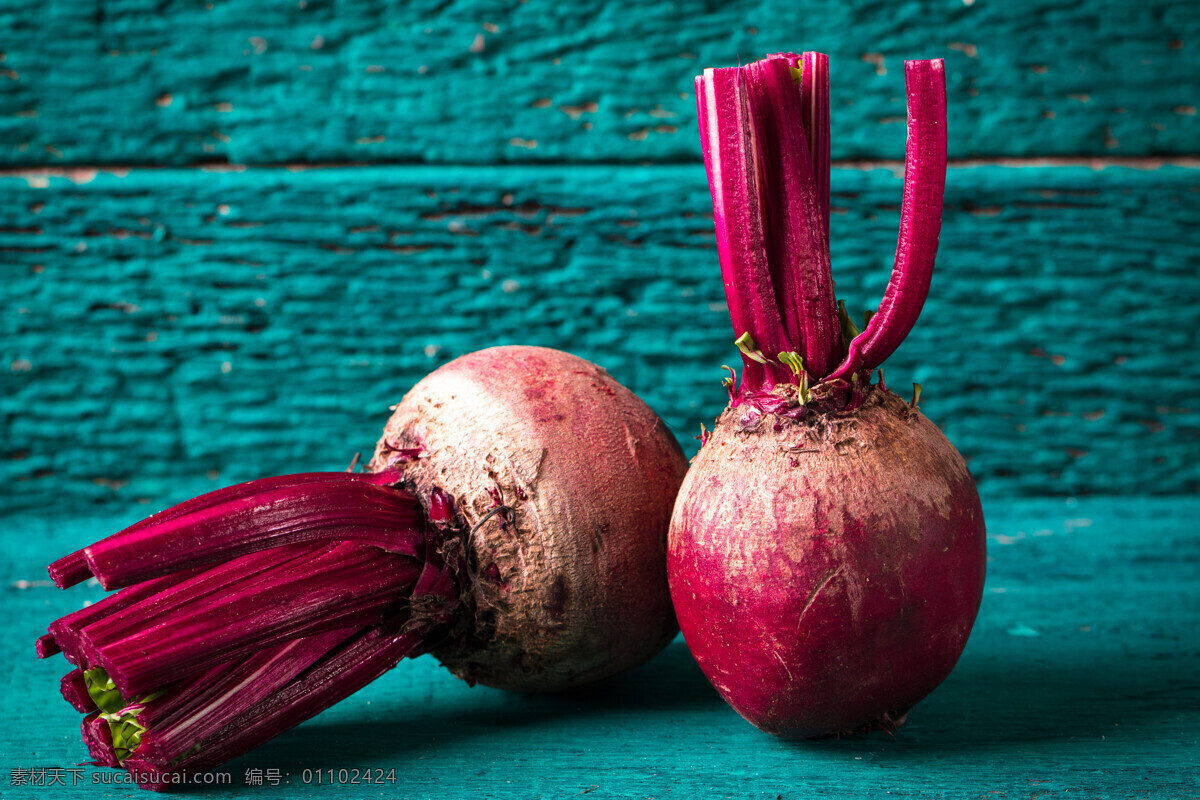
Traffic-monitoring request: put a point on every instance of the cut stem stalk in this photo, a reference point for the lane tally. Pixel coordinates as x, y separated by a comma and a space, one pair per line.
920, 221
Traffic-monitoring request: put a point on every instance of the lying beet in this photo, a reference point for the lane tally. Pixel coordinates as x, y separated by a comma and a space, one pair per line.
512, 521
574, 589
826, 553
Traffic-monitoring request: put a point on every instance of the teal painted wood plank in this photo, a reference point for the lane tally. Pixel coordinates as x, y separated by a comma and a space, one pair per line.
130, 82
1079, 681
165, 332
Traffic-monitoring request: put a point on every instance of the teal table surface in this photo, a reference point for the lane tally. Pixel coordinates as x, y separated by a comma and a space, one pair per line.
1080, 680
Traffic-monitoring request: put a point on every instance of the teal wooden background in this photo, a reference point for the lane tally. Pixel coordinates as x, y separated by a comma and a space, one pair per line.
174, 330
487, 81
233, 233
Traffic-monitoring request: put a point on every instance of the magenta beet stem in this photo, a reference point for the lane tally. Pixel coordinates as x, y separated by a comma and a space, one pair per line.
69, 570
733, 160
320, 583
85, 635
920, 221
46, 646
337, 676
349, 585
239, 520
814, 103
65, 630
797, 241
74, 691
97, 737
73, 568
765, 136
196, 713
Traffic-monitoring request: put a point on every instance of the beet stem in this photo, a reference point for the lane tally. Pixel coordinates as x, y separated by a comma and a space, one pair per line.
69, 570
920, 221
766, 146
735, 169
65, 630
814, 102
317, 576
234, 522
341, 673
349, 585
74, 568
46, 646
201, 710
74, 690
89, 633
797, 239
770, 189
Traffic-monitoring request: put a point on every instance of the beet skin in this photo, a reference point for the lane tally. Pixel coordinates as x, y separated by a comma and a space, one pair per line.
569, 586
826, 571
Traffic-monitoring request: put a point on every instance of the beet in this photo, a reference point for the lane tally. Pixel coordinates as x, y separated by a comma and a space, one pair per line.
512, 521
826, 554
571, 584
826, 571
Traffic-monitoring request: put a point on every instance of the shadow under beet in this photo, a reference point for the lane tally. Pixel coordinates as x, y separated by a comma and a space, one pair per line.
671, 683
1054, 696
1006, 695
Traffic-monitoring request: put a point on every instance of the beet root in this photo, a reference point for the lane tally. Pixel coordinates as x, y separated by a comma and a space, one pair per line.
513, 523
826, 571
566, 579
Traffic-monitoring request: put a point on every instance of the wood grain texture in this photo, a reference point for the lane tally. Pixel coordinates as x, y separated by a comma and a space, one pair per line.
169, 331
1079, 681
487, 81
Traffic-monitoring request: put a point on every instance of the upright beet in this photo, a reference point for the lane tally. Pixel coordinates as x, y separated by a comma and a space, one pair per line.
512, 521
826, 554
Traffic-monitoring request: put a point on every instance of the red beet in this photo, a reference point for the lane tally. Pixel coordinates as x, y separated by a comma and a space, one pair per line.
826, 553
572, 589
512, 521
